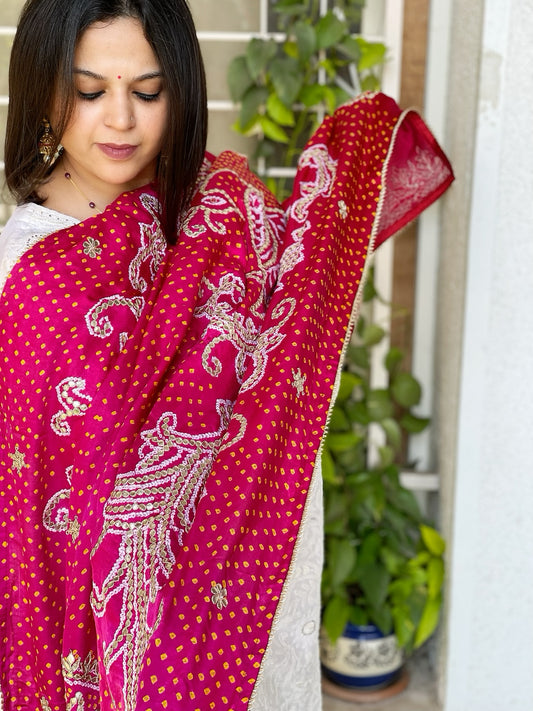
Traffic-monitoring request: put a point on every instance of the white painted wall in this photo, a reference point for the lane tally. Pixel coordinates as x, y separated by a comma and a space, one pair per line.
488, 660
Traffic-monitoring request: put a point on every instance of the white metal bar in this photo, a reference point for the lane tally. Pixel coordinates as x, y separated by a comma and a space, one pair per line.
281, 172
425, 315
263, 19
417, 481
220, 105
238, 36
322, 77
384, 259
372, 17
393, 33
208, 36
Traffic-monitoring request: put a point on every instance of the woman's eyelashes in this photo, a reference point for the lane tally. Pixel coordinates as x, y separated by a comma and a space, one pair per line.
89, 95
143, 96
147, 97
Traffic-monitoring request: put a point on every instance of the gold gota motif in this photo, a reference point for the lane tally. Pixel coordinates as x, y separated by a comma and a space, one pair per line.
74, 403
148, 508
78, 671
343, 209
18, 461
151, 252
322, 169
92, 248
152, 247
265, 223
56, 511
77, 703
299, 381
219, 596
99, 324
207, 216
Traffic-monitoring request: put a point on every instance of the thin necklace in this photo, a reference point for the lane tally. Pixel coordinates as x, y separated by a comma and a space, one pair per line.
91, 203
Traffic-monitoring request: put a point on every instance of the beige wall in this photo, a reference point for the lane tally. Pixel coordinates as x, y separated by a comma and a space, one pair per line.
485, 347
462, 106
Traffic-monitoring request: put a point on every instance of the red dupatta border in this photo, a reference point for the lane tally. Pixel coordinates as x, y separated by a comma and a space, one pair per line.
182, 511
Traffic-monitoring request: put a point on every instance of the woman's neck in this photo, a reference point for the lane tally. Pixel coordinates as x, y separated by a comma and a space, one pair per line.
64, 193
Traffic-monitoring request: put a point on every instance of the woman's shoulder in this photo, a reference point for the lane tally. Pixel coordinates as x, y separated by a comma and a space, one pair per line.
28, 224
31, 218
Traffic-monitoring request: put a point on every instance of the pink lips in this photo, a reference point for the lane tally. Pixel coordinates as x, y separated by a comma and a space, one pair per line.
117, 151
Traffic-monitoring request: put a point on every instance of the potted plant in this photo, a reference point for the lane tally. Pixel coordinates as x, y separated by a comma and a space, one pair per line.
384, 563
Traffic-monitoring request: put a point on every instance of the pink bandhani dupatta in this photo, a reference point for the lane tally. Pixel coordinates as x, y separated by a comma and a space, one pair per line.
162, 410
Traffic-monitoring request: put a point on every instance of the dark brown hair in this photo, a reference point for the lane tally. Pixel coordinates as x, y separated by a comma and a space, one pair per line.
41, 69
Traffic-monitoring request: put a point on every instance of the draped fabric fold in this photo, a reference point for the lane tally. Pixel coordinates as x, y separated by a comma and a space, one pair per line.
162, 410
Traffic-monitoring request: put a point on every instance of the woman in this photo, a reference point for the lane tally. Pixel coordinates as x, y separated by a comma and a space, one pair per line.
170, 342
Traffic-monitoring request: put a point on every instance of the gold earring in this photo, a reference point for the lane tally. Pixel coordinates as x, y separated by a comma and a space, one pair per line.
47, 144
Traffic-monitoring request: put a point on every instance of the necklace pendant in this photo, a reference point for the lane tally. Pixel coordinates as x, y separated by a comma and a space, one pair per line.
69, 177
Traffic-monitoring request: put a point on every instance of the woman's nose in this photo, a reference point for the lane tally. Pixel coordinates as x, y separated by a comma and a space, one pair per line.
119, 113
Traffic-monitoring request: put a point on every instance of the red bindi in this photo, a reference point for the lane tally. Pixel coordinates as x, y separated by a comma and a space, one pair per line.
119, 77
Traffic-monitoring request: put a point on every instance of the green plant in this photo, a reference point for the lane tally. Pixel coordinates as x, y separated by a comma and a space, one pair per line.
284, 85
384, 563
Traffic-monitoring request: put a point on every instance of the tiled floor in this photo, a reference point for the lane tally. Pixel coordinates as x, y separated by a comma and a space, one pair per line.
420, 694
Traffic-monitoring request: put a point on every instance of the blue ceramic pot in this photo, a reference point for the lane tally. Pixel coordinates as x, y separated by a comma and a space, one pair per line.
362, 658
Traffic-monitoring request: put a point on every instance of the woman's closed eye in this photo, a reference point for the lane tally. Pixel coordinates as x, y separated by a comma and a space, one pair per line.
143, 96
89, 95
147, 97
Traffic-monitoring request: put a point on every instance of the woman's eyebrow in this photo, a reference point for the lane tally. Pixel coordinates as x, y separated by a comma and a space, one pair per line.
88, 73
93, 75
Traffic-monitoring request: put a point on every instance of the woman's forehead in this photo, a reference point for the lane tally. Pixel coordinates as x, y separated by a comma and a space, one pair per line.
115, 47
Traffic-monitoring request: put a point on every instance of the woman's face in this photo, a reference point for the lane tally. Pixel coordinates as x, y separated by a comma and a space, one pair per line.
116, 131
